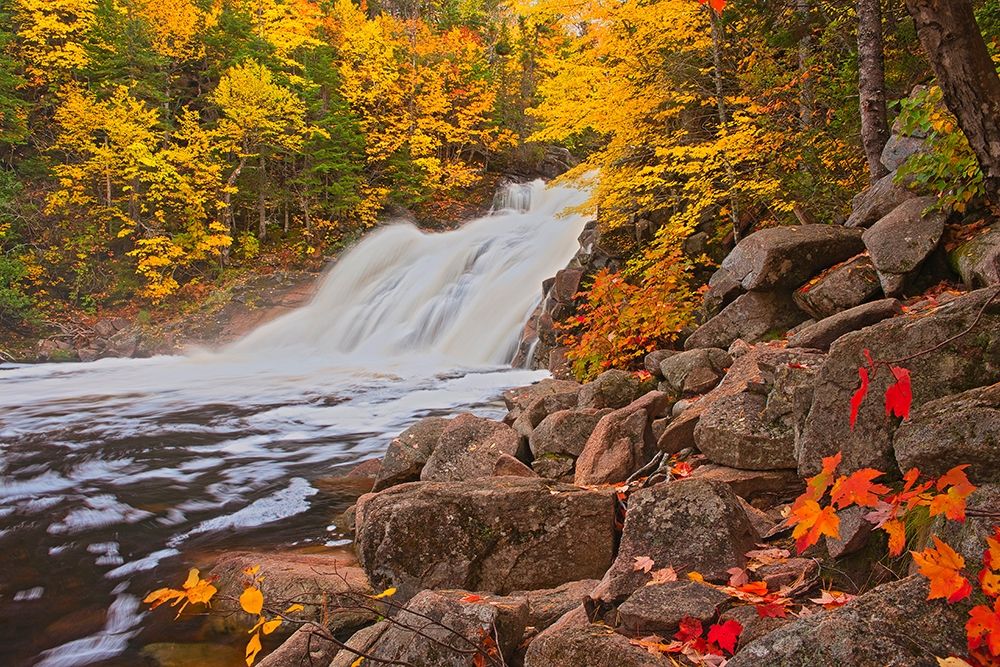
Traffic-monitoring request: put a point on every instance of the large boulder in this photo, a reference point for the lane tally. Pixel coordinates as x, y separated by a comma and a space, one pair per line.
786, 257
723, 289
952, 431
651, 362
901, 241
611, 389
543, 406
327, 589
822, 334
937, 369
893, 625
566, 285
978, 259
565, 433
440, 629
692, 525
659, 608
519, 398
844, 286
496, 535
755, 428
406, 455
753, 317
694, 371
877, 202
469, 448
588, 645
622, 442
760, 488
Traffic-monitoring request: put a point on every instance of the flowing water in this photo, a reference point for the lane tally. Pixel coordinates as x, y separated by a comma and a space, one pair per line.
118, 474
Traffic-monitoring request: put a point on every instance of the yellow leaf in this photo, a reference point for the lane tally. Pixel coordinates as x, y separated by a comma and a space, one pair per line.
696, 576
271, 626
358, 662
253, 648
192, 578
294, 607
252, 600
387, 593
250, 571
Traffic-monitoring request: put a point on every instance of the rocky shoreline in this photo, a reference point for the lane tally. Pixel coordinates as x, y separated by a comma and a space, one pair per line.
563, 535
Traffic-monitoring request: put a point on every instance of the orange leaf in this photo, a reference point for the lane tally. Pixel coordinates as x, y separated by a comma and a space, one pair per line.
832, 599
643, 564
812, 522
253, 648
989, 581
991, 557
897, 536
471, 598
984, 626
663, 575
942, 566
858, 489
817, 485
252, 600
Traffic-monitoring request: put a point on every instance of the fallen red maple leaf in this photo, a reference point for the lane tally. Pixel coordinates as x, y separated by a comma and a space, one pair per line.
725, 635
859, 396
984, 625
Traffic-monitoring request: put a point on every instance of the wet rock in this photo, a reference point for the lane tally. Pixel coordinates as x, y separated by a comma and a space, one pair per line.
894, 625
611, 389
688, 524
566, 285
751, 423
763, 488
876, 202
325, 586
901, 241
978, 260
309, 645
588, 646
843, 286
723, 289
695, 371
755, 316
786, 257
659, 608
495, 535
469, 448
951, 431
820, 336
565, 432
966, 363
406, 455
622, 442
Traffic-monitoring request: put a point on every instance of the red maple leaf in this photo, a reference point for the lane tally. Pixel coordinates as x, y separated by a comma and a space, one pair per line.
690, 629
725, 635
772, 610
942, 566
859, 396
984, 626
899, 397
951, 503
717, 5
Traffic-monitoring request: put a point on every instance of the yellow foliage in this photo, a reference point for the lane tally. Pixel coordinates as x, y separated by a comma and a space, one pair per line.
195, 590
176, 26
51, 36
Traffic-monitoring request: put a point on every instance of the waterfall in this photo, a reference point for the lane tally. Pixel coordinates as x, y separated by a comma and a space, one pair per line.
461, 296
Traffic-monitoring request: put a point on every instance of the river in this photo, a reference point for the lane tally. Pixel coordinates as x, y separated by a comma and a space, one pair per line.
117, 475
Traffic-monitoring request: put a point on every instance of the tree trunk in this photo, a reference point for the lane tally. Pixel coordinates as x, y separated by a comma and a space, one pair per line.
871, 86
720, 101
968, 78
261, 208
805, 56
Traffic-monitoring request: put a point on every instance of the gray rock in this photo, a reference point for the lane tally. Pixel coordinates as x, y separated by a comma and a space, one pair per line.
952, 431
966, 363
309, 645
786, 257
406, 455
555, 466
820, 336
688, 524
754, 317
469, 448
978, 260
723, 289
877, 202
362, 640
521, 397
543, 406
901, 241
765, 488
588, 646
695, 371
621, 443
754, 625
844, 286
854, 532
659, 608
611, 389
652, 361
751, 424
439, 629
496, 535
565, 432
893, 625
566, 285
901, 148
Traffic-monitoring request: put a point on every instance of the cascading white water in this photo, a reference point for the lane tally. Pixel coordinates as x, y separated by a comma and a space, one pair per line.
461, 296
111, 471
